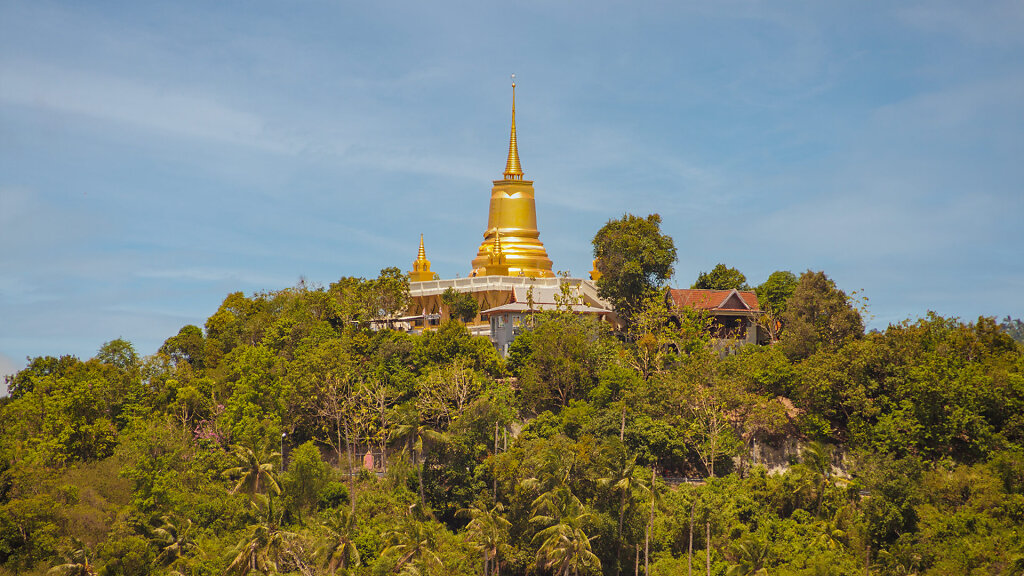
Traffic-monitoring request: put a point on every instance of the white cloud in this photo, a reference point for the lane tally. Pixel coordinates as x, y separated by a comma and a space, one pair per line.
7, 367
141, 105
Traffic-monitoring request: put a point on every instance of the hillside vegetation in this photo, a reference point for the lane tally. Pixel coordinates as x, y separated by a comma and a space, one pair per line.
559, 459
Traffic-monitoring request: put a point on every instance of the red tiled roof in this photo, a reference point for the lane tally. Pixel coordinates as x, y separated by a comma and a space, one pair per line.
711, 299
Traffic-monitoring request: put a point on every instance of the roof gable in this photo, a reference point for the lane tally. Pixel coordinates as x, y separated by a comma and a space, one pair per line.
714, 299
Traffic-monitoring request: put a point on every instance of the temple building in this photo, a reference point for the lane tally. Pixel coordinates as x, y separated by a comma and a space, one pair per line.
733, 313
510, 261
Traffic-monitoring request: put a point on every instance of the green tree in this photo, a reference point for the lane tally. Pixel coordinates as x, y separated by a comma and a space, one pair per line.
818, 316
340, 551
461, 305
566, 354
420, 435
752, 554
77, 562
305, 479
389, 294
634, 259
564, 545
188, 346
773, 293
174, 543
489, 531
262, 546
413, 544
119, 353
253, 468
721, 277
623, 479
1014, 328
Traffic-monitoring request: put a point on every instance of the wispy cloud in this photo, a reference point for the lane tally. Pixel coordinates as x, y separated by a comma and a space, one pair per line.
132, 103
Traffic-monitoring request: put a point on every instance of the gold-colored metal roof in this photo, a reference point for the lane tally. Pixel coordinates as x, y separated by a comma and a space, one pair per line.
513, 169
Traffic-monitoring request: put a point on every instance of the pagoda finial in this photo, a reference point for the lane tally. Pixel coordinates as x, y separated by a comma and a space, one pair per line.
496, 266
498, 256
513, 170
421, 267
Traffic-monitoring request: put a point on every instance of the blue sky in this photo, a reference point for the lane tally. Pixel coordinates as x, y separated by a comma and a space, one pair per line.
155, 157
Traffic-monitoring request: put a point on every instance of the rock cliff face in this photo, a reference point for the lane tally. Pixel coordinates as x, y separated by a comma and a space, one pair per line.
777, 458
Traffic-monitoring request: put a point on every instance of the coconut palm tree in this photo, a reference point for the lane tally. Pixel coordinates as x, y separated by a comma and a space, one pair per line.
262, 545
78, 561
414, 546
752, 554
340, 551
488, 529
421, 436
255, 468
565, 548
174, 542
832, 534
564, 545
622, 479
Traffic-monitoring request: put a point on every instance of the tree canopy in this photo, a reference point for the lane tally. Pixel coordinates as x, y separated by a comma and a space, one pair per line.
290, 435
721, 277
634, 259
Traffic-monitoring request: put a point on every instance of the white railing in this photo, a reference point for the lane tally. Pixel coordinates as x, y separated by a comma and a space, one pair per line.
485, 283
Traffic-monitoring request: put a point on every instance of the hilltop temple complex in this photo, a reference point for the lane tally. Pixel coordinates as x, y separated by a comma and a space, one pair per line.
510, 261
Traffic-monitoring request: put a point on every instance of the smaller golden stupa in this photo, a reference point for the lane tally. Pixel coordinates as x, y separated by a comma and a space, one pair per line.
498, 266
421, 267
513, 217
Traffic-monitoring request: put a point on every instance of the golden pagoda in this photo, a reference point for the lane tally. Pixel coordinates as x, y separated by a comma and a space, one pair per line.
498, 264
513, 218
421, 267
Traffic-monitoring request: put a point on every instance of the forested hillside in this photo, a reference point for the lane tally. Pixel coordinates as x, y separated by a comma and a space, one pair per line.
565, 458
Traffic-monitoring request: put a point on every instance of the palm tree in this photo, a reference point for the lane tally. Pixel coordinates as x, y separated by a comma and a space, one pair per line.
263, 544
564, 544
816, 459
253, 468
752, 554
174, 543
340, 551
414, 545
832, 534
420, 436
565, 548
488, 529
78, 561
622, 479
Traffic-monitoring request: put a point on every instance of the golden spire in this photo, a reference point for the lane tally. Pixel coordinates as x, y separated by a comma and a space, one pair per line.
497, 256
421, 267
512, 245
513, 170
496, 261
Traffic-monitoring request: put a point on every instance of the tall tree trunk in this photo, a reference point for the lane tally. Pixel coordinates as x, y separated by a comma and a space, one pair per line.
419, 469
618, 542
707, 545
636, 563
351, 475
689, 553
622, 428
647, 536
495, 472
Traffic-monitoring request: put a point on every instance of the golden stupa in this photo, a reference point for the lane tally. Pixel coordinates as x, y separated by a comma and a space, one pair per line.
512, 223
421, 267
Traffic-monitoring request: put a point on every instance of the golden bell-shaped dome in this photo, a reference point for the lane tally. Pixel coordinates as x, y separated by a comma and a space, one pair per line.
513, 218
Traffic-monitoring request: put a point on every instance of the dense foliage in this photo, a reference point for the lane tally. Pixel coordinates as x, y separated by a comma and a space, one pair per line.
241, 447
